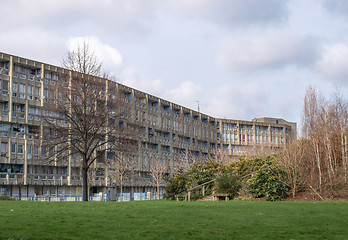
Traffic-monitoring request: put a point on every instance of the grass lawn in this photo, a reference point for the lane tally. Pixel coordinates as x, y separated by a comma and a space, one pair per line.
173, 220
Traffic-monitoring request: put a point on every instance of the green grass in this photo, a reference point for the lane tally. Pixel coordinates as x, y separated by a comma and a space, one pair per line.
173, 220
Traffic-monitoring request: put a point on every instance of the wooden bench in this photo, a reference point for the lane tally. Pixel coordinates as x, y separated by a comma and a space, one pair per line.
182, 196
221, 196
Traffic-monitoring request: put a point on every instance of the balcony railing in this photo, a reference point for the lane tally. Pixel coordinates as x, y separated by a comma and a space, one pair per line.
11, 178
47, 179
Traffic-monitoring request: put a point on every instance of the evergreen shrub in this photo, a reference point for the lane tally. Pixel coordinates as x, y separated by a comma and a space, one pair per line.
228, 183
267, 183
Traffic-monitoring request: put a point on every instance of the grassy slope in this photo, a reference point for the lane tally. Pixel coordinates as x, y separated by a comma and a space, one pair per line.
173, 220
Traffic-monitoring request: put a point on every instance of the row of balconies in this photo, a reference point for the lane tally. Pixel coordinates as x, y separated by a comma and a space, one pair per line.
166, 113
61, 180
138, 182
11, 179
237, 131
37, 78
19, 135
46, 179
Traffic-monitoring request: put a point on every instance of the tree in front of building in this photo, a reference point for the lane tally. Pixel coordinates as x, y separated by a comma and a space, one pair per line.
122, 163
83, 117
158, 170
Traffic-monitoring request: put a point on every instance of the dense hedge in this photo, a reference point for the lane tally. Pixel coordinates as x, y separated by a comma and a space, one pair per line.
262, 177
200, 173
228, 183
267, 183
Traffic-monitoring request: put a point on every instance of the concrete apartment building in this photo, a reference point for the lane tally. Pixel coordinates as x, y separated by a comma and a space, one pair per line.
170, 132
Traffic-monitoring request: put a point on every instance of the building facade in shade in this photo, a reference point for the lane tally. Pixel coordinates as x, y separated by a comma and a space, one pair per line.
170, 132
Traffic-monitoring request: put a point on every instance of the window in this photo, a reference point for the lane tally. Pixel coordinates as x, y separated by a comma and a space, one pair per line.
13, 148
18, 108
45, 94
4, 106
20, 148
21, 90
3, 149
5, 87
14, 89
32, 110
36, 151
51, 95
30, 92
37, 93
48, 75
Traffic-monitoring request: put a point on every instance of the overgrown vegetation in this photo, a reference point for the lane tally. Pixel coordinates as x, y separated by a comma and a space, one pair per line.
262, 177
267, 183
228, 183
201, 172
317, 162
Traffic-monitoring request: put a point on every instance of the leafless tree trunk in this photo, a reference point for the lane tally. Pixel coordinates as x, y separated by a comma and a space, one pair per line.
122, 165
158, 170
84, 116
342, 118
291, 160
325, 128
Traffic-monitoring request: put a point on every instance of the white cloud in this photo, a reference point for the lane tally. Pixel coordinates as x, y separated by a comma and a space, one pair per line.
234, 12
110, 56
265, 50
337, 6
79, 17
333, 62
185, 93
131, 77
44, 46
188, 92
243, 99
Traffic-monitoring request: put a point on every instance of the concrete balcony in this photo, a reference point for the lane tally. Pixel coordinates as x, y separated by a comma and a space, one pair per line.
11, 179
98, 181
76, 181
47, 179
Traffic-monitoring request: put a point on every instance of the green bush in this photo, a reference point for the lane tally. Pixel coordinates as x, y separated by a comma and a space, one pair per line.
267, 183
175, 186
199, 173
243, 167
228, 183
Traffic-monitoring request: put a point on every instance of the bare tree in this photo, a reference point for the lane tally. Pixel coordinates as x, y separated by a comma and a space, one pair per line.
310, 129
84, 116
182, 163
342, 122
325, 132
122, 162
84, 60
158, 170
291, 161
185, 160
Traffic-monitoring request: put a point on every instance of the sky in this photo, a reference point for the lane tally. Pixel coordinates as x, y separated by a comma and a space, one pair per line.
237, 59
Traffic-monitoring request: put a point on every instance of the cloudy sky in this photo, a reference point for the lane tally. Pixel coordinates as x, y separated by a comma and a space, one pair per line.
239, 59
